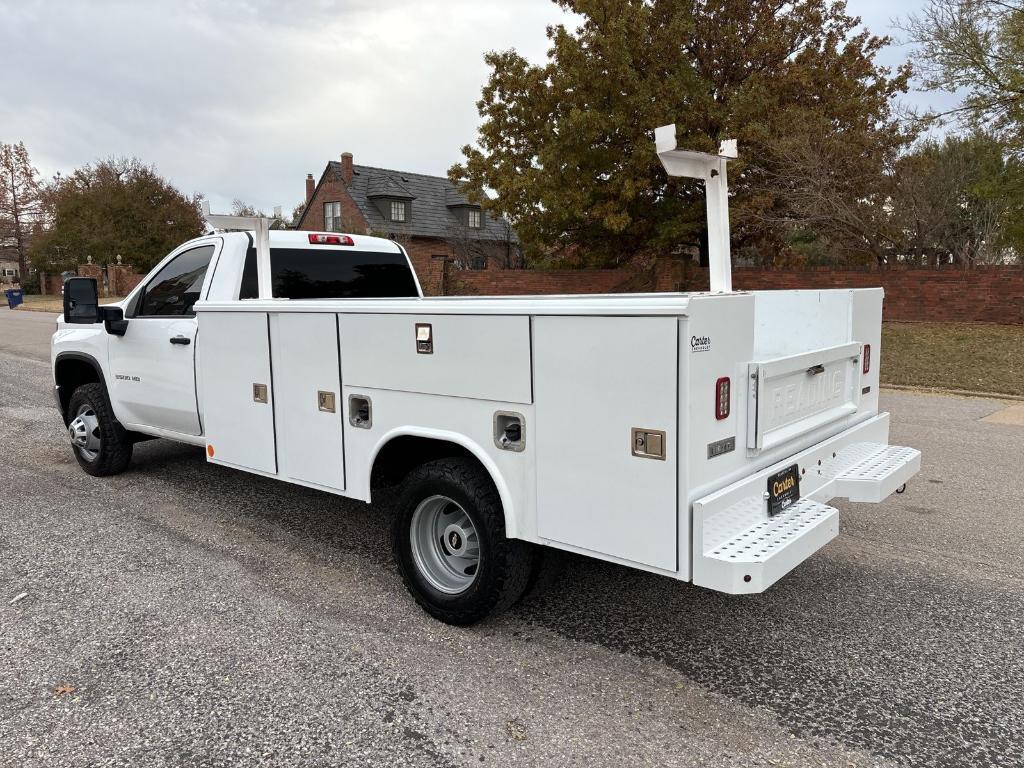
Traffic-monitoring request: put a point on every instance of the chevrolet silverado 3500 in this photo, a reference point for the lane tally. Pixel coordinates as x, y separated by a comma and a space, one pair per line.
699, 436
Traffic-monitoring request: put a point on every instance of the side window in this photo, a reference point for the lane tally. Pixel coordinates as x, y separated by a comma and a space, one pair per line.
175, 288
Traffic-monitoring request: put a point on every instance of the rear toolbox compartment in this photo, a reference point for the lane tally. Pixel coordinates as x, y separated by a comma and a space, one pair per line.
805, 398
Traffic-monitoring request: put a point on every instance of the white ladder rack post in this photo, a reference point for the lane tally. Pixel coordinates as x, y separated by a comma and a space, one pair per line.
711, 169
260, 226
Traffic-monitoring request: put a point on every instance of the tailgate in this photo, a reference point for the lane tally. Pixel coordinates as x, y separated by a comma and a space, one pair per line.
790, 396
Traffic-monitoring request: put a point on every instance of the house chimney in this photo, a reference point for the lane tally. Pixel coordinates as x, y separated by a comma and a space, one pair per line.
346, 167
310, 186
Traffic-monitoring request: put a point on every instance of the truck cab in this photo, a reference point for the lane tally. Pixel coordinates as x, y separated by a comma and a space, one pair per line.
149, 364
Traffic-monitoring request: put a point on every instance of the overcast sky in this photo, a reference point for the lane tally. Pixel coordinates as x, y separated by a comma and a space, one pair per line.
242, 98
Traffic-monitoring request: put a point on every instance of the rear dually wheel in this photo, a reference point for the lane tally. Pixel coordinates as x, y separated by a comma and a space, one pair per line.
450, 544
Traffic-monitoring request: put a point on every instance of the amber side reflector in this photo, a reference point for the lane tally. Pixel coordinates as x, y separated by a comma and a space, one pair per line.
209, 451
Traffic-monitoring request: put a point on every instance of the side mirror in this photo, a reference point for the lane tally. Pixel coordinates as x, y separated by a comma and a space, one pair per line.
81, 300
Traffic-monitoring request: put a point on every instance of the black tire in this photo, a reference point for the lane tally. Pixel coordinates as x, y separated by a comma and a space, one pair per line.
115, 445
505, 565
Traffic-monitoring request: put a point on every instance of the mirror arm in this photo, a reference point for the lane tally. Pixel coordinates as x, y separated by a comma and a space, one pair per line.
113, 320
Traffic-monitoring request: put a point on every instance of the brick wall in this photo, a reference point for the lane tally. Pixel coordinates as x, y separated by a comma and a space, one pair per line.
949, 294
984, 294
429, 270
499, 282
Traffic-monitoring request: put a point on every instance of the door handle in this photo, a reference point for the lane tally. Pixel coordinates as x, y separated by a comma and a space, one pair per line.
814, 370
180, 340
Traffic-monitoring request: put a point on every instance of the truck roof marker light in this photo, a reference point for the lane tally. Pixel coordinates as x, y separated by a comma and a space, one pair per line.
867, 358
316, 238
209, 450
723, 398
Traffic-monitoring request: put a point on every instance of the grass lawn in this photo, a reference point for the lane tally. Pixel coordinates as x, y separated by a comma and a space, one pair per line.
36, 303
971, 356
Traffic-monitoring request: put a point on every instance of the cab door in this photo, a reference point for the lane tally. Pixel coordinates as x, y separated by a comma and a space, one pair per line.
152, 367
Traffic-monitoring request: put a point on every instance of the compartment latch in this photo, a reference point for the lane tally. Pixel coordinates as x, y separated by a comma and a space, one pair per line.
648, 443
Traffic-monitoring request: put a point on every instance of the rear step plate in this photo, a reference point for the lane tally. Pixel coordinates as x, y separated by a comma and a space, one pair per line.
870, 472
759, 556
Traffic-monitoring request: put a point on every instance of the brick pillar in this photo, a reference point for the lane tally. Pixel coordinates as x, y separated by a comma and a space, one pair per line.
122, 279
94, 271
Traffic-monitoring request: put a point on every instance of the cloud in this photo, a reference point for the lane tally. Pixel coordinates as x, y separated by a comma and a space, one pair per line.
241, 98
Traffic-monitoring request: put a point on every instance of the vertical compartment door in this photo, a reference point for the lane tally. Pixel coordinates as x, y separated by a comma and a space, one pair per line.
237, 392
307, 376
597, 381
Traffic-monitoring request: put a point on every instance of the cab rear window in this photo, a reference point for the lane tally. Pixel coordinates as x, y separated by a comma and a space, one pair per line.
331, 273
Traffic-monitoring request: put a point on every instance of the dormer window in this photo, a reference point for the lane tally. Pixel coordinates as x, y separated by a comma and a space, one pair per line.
474, 219
398, 210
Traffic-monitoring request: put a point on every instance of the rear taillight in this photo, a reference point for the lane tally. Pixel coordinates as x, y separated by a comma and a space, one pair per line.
723, 396
867, 358
317, 239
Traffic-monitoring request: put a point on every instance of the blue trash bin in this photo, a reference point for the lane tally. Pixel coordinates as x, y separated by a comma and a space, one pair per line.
15, 296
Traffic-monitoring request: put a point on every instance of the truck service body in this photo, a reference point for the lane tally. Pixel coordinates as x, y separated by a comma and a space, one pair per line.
698, 436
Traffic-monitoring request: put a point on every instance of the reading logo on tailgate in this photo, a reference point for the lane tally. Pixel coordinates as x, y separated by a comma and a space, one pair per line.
800, 394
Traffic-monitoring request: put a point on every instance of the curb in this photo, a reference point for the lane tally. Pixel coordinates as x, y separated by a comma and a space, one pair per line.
957, 392
23, 308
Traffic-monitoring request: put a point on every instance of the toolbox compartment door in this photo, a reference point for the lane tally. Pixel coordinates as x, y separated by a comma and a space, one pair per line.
791, 396
237, 390
486, 357
308, 409
597, 379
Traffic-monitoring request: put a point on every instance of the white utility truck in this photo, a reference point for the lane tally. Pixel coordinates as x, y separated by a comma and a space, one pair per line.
699, 436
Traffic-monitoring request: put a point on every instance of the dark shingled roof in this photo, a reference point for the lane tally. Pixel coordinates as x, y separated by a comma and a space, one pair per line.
434, 203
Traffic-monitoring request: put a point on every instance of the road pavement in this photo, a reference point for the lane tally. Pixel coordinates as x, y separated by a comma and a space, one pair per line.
187, 614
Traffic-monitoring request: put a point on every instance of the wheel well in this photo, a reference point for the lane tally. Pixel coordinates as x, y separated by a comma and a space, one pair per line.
403, 454
69, 375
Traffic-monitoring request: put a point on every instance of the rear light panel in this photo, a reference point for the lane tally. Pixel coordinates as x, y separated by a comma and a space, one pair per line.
316, 238
723, 398
867, 358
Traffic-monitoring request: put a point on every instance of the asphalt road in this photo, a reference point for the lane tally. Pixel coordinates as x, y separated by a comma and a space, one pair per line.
203, 616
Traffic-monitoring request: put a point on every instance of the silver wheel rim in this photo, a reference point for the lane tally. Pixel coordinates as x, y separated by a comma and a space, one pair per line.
84, 431
445, 545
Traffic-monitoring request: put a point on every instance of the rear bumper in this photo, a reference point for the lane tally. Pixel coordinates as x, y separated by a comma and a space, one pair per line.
738, 549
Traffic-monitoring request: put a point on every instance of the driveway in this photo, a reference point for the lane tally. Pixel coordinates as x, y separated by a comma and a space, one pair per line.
188, 614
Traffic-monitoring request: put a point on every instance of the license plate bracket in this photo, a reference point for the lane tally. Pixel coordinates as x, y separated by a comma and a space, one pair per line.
783, 489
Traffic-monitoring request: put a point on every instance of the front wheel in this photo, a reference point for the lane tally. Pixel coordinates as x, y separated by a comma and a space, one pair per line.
101, 445
449, 541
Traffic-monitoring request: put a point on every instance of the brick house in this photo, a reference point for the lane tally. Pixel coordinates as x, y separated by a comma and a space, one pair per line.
9, 269
440, 228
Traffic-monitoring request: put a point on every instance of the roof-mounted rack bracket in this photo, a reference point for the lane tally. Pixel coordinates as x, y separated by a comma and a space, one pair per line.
710, 169
260, 227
